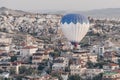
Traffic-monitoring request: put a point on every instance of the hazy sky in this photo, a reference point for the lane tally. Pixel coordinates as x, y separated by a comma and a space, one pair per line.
59, 4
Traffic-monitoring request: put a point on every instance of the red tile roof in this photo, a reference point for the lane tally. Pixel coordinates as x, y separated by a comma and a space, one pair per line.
113, 64
16, 63
29, 47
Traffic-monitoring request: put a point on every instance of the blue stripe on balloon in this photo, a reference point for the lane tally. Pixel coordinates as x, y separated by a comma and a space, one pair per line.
74, 18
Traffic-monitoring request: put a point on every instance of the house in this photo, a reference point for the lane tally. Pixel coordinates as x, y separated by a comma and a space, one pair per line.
5, 40
112, 75
93, 72
16, 66
5, 75
98, 49
39, 56
60, 63
9, 65
83, 55
77, 67
111, 56
28, 51
44, 77
110, 66
92, 58
5, 47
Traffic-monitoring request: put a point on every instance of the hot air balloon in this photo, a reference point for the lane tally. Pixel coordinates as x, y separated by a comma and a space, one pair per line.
74, 27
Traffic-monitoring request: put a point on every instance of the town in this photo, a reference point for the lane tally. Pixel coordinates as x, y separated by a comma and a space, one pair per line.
33, 47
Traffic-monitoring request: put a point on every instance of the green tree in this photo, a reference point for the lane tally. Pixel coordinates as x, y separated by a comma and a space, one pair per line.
41, 67
57, 75
67, 69
1, 71
30, 59
74, 77
18, 77
55, 54
98, 77
22, 70
90, 64
6, 79
100, 64
119, 62
13, 58
29, 71
12, 71
49, 70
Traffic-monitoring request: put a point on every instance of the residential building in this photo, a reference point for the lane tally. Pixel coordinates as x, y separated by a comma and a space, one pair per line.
77, 67
38, 57
110, 66
93, 72
92, 58
28, 51
60, 63
111, 76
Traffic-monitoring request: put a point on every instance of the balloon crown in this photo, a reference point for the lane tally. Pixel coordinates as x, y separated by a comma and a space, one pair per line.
74, 18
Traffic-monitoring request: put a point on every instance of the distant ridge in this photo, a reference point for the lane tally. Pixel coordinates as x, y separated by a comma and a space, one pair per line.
105, 13
102, 13
108, 12
4, 10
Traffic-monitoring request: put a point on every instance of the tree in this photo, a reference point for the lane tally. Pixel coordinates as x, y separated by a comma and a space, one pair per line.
18, 77
29, 71
4, 30
13, 58
57, 75
119, 62
98, 77
100, 64
12, 71
22, 70
67, 69
6, 78
41, 67
98, 34
55, 54
1, 71
30, 59
49, 70
74, 77
90, 64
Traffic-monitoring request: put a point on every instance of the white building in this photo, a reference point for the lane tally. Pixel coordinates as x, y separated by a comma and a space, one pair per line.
28, 51
92, 58
83, 55
64, 76
93, 72
111, 56
5, 40
39, 57
97, 49
77, 69
60, 63
111, 66
5, 47
77, 66
5, 75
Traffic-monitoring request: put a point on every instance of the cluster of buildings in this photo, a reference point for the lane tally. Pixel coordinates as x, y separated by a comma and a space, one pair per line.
51, 54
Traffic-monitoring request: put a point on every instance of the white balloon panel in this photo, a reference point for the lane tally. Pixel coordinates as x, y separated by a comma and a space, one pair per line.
75, 32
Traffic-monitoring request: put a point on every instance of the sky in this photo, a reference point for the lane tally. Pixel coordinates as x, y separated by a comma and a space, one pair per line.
80, 5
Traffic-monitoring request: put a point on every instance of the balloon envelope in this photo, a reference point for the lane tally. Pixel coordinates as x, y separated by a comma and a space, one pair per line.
74, 27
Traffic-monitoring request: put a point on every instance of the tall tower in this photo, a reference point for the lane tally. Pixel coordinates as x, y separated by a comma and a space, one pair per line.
101, 50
